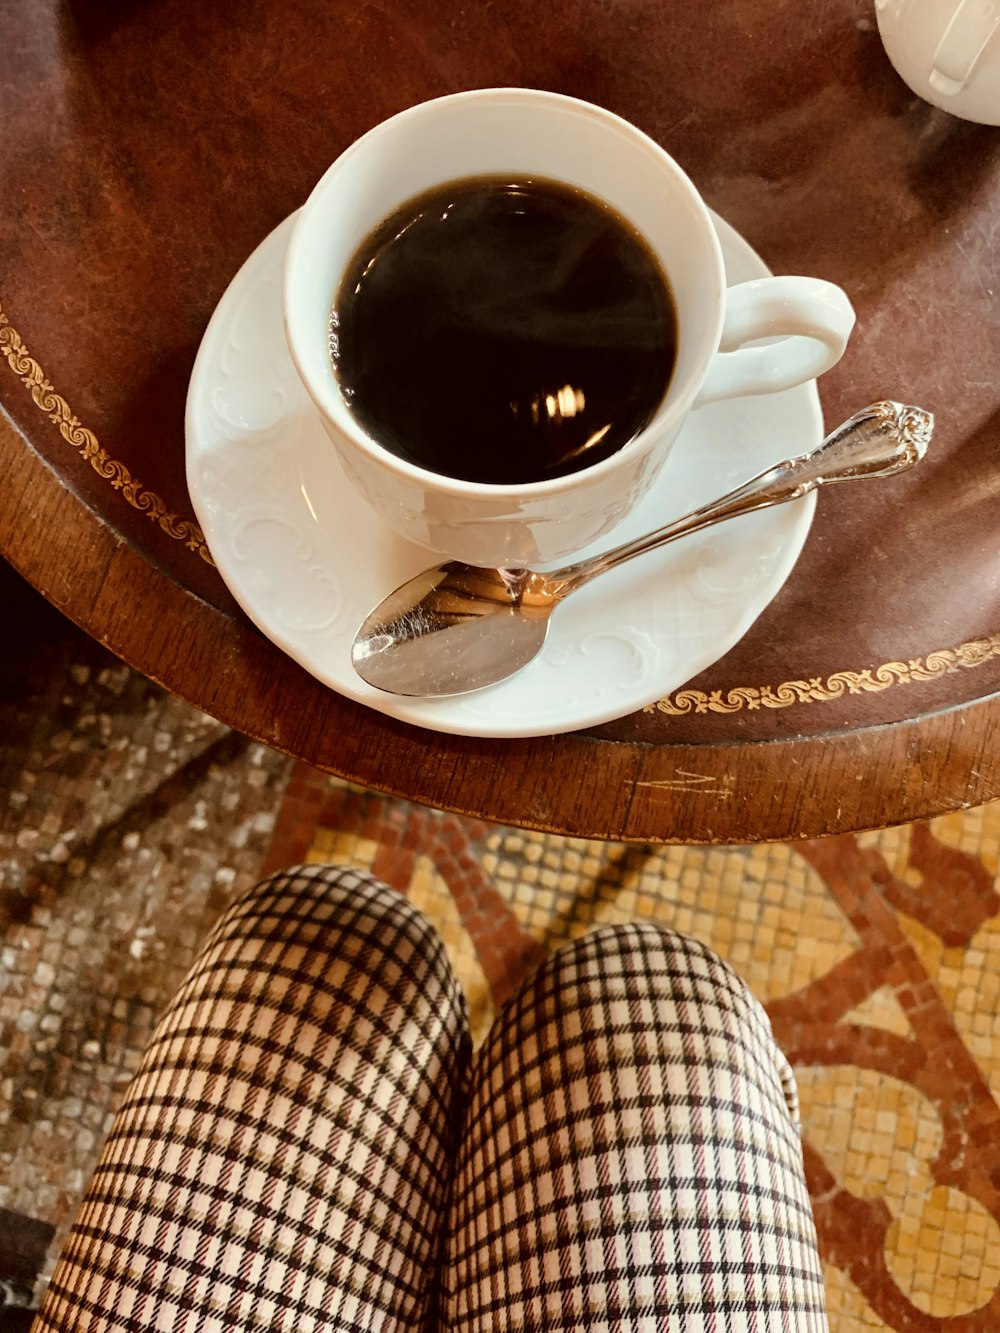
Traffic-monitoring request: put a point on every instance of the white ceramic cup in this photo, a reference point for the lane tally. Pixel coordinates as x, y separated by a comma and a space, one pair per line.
948, 51
530, 133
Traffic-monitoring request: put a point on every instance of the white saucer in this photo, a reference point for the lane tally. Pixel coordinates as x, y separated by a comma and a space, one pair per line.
307, 560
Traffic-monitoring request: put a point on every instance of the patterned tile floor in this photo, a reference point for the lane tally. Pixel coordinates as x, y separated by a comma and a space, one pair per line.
128, 821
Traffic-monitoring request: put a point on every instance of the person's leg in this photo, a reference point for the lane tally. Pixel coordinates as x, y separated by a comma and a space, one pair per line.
282, 1158
631, 1156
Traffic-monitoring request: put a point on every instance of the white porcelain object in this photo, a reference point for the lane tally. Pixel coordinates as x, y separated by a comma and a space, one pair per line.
947, 51
307, 562
531, 133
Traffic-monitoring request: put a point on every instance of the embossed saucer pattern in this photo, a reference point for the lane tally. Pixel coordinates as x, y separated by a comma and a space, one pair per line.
307, 560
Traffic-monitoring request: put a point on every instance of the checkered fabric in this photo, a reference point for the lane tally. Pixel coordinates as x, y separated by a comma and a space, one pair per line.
282, 1157
631, 1156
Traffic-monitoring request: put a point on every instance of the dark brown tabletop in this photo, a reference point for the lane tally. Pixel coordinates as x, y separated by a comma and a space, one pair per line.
149, 147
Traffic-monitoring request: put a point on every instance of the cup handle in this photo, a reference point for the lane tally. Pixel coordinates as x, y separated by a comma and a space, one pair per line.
811, 320
965, 39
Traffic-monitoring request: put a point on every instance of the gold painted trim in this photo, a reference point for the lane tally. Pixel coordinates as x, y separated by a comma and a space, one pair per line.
942, 662
87, 445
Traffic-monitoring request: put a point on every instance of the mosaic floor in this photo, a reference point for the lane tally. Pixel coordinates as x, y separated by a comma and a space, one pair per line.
128, 821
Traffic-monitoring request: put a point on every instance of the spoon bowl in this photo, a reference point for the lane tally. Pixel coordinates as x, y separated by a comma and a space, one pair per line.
455, 628
451, 629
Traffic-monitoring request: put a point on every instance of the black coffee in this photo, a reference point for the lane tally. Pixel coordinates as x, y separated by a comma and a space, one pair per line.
503, 331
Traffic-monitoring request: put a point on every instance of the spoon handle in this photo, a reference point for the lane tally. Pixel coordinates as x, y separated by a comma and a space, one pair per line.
878, 441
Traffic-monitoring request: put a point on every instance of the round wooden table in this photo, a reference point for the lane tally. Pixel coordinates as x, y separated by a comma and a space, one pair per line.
149, 148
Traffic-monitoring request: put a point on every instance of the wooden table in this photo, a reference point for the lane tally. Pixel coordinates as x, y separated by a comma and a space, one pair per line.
148, 148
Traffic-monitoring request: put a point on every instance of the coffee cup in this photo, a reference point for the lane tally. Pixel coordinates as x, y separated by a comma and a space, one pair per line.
757, 337
947, 51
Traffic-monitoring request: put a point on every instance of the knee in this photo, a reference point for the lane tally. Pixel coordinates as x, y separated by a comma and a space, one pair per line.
638, 971
296, 901
313, 920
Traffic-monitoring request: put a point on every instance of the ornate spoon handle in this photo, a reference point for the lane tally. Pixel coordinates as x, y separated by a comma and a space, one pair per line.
878, 441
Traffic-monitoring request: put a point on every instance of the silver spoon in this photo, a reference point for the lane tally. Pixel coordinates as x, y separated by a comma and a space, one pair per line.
457, 628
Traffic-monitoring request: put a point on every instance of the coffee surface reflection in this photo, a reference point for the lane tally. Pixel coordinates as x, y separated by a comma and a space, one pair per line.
503, 331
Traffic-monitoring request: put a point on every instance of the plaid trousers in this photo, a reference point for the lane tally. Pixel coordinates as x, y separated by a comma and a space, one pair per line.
310, 1144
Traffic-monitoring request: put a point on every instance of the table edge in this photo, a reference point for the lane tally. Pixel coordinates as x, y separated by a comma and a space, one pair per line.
688, 793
